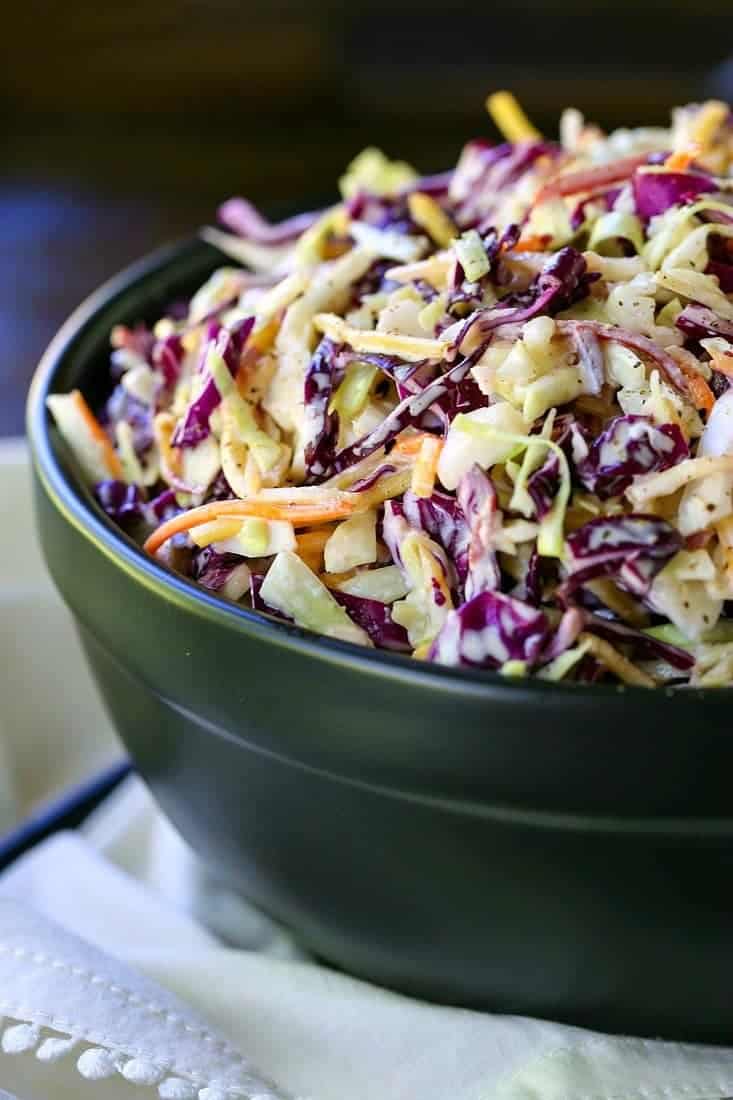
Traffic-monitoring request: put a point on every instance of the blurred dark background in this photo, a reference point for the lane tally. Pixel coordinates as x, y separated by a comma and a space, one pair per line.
124, 124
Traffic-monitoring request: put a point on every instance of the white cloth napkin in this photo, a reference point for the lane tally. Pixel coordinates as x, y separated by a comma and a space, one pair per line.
115, 984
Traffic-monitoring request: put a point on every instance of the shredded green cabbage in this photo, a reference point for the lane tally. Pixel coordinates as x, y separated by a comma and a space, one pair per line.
550, 538
294, 589
616, 226
372, 171
385, 584
354, 542
352, 395
264, 448
562, 665
469, 248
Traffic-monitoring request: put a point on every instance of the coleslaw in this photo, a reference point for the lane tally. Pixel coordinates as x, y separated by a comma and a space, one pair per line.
483, 418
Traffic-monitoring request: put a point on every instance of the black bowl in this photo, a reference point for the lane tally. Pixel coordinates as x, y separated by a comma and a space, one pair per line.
522, 847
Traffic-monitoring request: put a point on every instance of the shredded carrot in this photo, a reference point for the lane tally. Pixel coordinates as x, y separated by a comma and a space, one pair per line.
533, 243
410, 443
311, 544
425, 469
288, 507
263, 339
700, 392
334, 247
314, 540
681, 161
722, 361
109, 454
588, 179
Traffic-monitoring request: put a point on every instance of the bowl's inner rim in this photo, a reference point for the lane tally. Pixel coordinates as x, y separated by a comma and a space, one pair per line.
78, 342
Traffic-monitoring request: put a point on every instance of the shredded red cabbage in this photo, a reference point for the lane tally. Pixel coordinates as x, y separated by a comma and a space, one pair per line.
242, 218
375, 618
123, 503
122, 406
167, 356
630, 445
442, 518
655, 192
490, 630
194, 427
322, 378
643, 645
699, 322
631, 548
478, 502
212, 570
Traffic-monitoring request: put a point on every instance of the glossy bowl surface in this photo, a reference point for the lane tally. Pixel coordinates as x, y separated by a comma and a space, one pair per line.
541, 849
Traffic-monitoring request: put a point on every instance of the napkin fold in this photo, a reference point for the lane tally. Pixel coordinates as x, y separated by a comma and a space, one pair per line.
65, 999
129, 972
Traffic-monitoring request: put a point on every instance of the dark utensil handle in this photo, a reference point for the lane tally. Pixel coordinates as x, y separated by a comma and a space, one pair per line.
67, 811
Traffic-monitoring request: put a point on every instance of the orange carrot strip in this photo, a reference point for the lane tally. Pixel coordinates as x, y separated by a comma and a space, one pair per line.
98, 434
411, 444
722, 361
587, 179
311, 544
680, 162
263, 339
533, 243
297, 513
700, 392
332, 249
311, 541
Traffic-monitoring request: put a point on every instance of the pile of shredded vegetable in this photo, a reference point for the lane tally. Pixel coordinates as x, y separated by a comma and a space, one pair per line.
484, 418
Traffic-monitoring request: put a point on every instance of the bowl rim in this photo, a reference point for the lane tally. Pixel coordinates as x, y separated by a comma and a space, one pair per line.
79, 508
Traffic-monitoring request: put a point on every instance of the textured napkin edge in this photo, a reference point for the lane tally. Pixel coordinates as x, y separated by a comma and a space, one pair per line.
36, 1034
60, 997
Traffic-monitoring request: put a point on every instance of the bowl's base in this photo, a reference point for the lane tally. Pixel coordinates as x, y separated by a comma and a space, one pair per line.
444, 904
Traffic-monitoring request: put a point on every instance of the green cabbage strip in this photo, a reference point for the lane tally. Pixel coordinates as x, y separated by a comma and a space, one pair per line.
551, 535
265, 450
